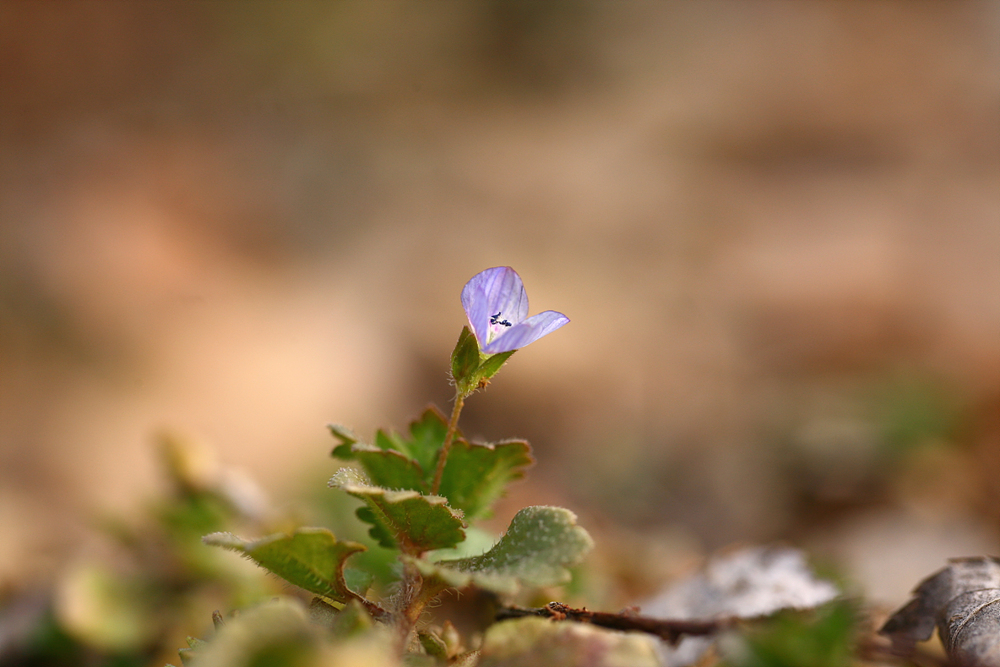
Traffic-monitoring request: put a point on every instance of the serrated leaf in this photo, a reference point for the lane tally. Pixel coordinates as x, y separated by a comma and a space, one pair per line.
476, 475
347, 439
409, 521
390, 469
539, 546
426, 437
310, 558
378, 530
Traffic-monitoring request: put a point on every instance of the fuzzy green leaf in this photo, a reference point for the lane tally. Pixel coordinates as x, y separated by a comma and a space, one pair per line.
538, 642
390, 469
281, 632
475, 476
310, 558
539, 546
426, 437
434, 645
411, 522
347, 439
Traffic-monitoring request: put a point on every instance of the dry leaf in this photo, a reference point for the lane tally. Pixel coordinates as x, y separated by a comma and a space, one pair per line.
963, 601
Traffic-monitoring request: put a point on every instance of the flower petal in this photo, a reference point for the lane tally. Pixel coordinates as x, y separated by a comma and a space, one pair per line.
496, 291
526, 332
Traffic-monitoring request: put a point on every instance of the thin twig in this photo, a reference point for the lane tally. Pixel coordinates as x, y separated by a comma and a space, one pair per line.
668, 630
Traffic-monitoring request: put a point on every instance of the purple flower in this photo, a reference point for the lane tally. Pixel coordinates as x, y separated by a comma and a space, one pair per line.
497, 306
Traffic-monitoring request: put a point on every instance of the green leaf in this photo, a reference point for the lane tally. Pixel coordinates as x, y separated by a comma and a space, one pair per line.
352, 620
347, 439
390, 469
411, 522
820, 638
434, 645
465, 361
378, 531
310, 558
426, 435
539, 546
538, 642
277, 633
358, 580
281, 633
475, 475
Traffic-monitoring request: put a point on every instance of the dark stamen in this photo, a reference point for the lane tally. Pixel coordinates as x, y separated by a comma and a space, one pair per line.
494, 320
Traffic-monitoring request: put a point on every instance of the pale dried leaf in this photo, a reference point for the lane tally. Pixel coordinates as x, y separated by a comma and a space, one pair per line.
963, 602
748, 583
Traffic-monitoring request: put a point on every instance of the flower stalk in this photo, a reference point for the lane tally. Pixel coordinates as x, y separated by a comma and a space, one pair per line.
448, 439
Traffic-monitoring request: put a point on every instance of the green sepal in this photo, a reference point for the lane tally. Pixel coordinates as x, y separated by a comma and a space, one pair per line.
540, 545
470, 368
406, 520
475, 475
310, 558
465, 361
490, 366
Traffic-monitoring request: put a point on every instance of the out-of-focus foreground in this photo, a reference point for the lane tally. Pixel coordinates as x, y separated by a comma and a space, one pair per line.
775, 227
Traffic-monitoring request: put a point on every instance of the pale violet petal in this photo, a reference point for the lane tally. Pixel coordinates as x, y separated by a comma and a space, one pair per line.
506, 296
476, 308
526, 332
494, 294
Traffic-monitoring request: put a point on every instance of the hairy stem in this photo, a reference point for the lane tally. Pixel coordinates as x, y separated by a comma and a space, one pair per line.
412, 605
448, 438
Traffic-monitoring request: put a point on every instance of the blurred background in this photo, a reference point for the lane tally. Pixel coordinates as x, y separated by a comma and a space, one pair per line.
775, 227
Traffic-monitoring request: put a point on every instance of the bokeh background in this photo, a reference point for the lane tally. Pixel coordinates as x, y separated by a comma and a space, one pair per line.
775, 227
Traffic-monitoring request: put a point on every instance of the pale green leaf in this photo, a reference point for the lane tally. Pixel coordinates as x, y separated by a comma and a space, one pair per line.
310, 558
540, 545
475, 476
539, 642
414, 522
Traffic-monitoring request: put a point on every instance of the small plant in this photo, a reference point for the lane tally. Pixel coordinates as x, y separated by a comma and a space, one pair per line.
421, 491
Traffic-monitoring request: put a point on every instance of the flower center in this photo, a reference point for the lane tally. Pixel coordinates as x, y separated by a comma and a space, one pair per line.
496, 323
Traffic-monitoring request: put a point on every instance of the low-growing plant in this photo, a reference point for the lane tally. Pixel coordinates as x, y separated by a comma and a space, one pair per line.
420, 492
